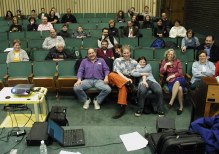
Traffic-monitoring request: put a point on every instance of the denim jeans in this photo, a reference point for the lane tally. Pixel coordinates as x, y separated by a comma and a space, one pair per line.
89, 83
156, 89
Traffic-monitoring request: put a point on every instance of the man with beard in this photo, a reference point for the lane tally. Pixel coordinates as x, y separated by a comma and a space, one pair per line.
106, 54
211, 49
93, 72
105, 36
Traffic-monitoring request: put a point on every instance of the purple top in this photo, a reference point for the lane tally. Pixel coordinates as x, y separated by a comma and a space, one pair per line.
90, 70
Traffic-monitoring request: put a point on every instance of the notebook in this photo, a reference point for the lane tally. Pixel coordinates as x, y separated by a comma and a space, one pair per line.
66, 138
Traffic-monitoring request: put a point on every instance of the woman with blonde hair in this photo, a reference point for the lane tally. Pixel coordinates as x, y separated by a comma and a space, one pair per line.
171, 67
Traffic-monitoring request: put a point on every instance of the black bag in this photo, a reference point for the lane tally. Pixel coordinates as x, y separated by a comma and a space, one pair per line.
181, 142
165, 124
58, 114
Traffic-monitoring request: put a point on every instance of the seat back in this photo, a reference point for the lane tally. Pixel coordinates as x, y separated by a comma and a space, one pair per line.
148, 53
3, 57
20, 69
3, 72
39, 54
155, 65
44, 68
66, 68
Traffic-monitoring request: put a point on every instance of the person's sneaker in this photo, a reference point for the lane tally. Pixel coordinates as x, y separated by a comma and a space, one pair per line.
96, 104
160, 114
86, 104
138, 113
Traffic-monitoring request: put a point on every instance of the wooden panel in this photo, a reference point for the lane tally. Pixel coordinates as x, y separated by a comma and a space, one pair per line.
77, 6
203, 16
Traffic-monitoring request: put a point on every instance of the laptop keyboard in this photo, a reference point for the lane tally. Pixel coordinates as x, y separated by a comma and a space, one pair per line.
74, 137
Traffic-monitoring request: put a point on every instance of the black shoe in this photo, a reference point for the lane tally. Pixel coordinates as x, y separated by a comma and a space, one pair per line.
179, 112
160, 114
130, 87
138, 113
120, 112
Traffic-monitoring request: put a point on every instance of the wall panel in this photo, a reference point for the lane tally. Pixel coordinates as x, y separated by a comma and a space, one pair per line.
77, 6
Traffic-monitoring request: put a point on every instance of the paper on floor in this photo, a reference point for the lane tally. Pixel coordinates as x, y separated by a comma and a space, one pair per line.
133, 141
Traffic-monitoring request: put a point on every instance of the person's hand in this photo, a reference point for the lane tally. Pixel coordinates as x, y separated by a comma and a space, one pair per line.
170, 77
145, 84
184, 49
168, 63
77, 83
130, 80
106, 81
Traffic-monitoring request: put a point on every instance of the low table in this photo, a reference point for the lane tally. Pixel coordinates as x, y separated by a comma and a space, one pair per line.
35, 98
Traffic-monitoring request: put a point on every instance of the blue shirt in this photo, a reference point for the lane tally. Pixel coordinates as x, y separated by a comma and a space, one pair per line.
90, 70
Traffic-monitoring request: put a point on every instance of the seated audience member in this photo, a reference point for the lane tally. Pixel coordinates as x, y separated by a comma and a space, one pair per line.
105, 36
15, 26
201, 68
117, 50
32, 26
52, 40
130, 30
135, 22
80, 33
132, 12
106, 54
64, 32
147, 82
217, 69
58, 53
45, 25
147, 23
211, 48
160, 30
19, 15
69, 17
42, 14
93, 72
166, 22
146, 11
113, 31
17, 54
190, 41
121, 77
172, 68
8, 15
33, 14
56, 13
52, 18
177, 30
120, 17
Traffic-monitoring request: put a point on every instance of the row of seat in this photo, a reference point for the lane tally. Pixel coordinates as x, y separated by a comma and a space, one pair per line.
56, 75
149, 53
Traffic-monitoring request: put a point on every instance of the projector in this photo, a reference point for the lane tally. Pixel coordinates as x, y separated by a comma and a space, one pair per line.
22, 89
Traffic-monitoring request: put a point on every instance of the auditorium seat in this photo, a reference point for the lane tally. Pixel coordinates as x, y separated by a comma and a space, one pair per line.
3, 57
130, 41
66, 76
148, 53
16, 35
3, 45
73, 42
90, 42
44, 74
39, 54
3, 73
19, 73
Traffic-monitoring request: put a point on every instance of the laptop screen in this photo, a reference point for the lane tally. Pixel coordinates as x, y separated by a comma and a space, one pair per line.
55, 131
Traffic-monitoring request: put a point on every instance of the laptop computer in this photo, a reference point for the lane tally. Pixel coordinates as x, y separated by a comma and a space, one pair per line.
66, 138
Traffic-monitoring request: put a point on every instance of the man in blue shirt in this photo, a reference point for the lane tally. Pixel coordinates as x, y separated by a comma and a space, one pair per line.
93, 72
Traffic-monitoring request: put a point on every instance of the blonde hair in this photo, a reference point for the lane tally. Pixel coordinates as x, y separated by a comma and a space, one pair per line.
126, 47
169, 50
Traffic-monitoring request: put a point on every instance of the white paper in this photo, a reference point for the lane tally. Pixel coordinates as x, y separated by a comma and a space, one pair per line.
67, 152
133, 141
8, 49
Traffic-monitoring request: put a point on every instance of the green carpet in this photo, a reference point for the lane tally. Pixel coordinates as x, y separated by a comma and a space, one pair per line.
101, 131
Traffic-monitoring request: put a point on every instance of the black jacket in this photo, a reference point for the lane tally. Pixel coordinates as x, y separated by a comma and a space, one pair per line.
55, 54
214, 52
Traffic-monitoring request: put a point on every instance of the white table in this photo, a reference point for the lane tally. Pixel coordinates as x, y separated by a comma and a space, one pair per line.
35, 98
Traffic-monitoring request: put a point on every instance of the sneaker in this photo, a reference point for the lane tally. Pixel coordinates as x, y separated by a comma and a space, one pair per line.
86, 104
138, 113
160, 114
96, 104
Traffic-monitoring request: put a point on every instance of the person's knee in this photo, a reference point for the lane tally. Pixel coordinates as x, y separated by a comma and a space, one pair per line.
77, 88
180, 89
107, 89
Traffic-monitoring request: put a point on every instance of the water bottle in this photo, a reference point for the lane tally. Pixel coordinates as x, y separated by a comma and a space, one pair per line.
43, 148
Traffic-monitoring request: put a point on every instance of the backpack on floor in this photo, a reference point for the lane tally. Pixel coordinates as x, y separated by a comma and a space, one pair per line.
158, 43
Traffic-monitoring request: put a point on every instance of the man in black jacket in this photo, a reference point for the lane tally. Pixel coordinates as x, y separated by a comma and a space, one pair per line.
211, 49
69, 17
58, 53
